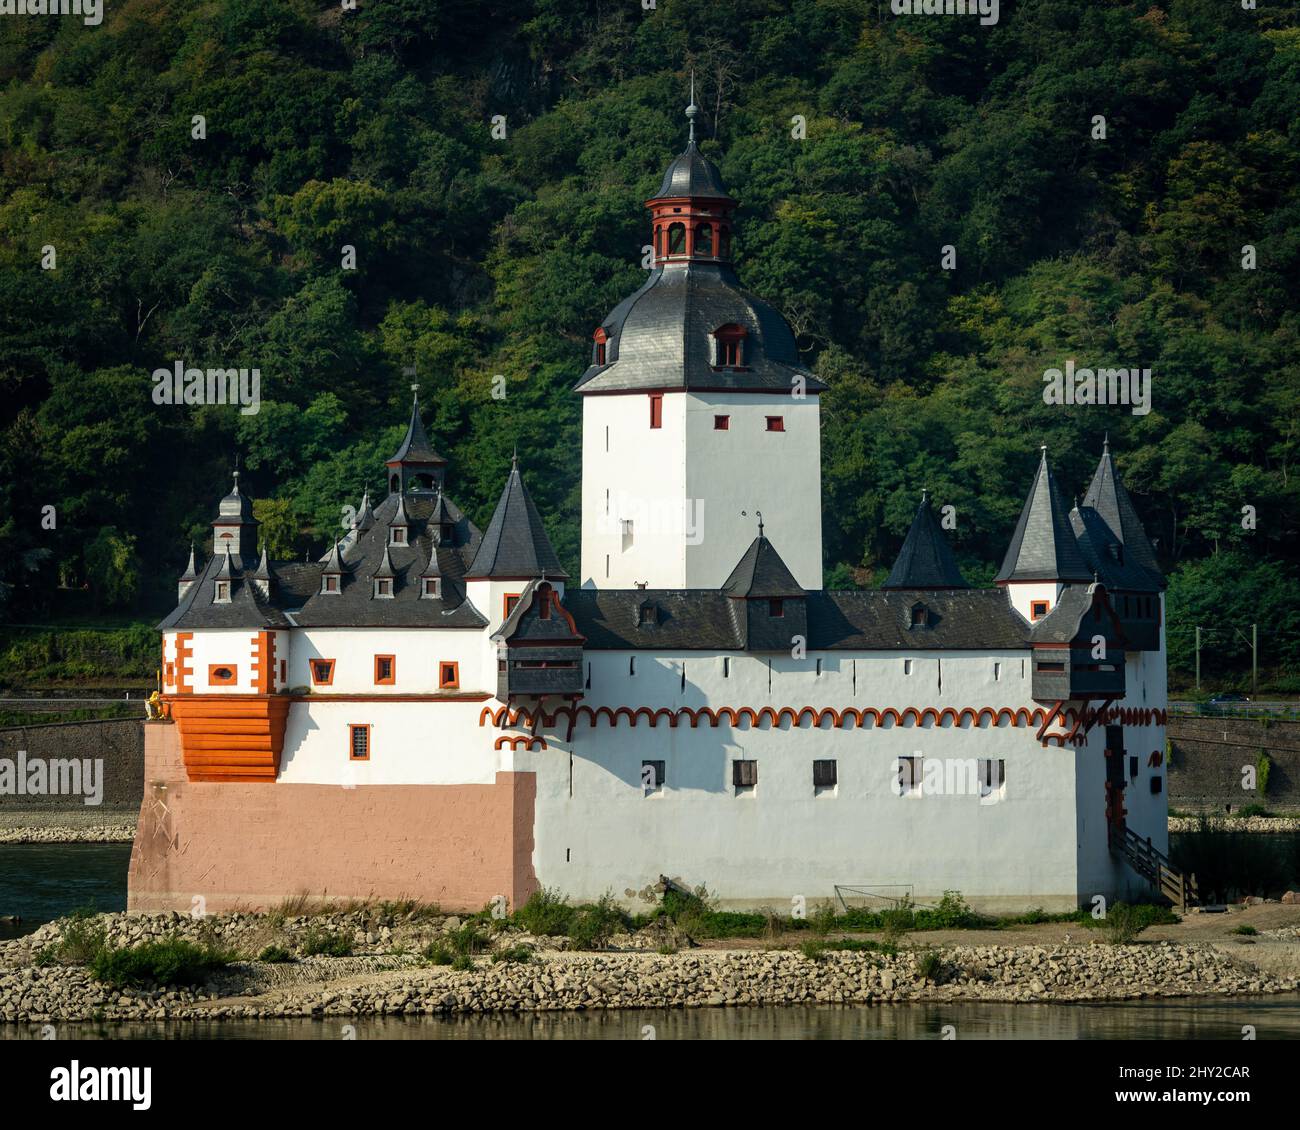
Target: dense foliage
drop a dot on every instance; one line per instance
(478, 256)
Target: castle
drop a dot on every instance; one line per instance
(436, 712)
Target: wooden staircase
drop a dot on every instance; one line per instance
(1154, 867)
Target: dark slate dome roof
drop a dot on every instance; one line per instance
(659, 337)
(693, 174)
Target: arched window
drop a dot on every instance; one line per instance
(599, 338)
(676, 239)
(659, 241)
(393, 482)
(729, 346)
(724, 242)
(704, 240)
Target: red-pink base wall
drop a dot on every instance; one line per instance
(250, 846)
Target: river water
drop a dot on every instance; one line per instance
(42, 881)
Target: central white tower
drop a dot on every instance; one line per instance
(696, 412)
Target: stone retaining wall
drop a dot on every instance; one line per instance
(1207, 756)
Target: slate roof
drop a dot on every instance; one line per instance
(1043, 546)
(236, 506)
(515, 544)
(659, 337)
(1109, 558)
(925, 561)
(702, 619)
(761, 573)
(1061, 625)
(416, 447)
(371, 555)
(692, 174)
(246, 609)
(1115, 508)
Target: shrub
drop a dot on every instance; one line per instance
(318, 941)
(520, 955)
(1262, 766)
(173, 961)
(275, 955)
(462, 963)
(594, 924)
(466, 939)
(930, 966)
(1123, 923)
(1249, 931)
(436, 953)
(898, 919)
(822, 921)
(84, 939)
(546, 913)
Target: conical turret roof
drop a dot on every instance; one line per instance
(416, 447)
(515, 544)
(1043, 547)
(925, 561)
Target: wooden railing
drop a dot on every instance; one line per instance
(1149, 862)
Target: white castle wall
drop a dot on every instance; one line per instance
(684, 485)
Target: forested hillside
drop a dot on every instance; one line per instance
(479, 255)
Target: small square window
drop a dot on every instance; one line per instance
(384, 587)
(448, 676)
(223, 592)
(330, 583)
(909, 776)
(322, 672)
(721, 423)
(431, 587)
(776, 607)
(508, 603)
(397, 535)
(776, 423)
(825, 774)
(1038, 609)
(653, 776)
(359, 743)
(744, 776)
(385, 670)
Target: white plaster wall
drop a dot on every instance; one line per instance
(749, 468)
(1022, 594)
(596, 830)
(418, 652)
(231, 648)
(643, 469)
(684, 485)
(436, 743)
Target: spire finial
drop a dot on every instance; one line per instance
(692, 111)
(1105, 445)
(925, 495)
(514, 459)
(759, 515)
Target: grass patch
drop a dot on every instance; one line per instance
(173, 961)
(513, 955)
(1123, 923)
(437, 953)
(462, 963)
(275, 955)
(326, 942)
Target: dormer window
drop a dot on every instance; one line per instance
(920, 616)
(1038, 609)
(600, 338)
(776, 607)
(396, 535)
(646, 614)
(329, 583)
(431, 588)
(223, 593)
(384, 588)
(729, 346)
